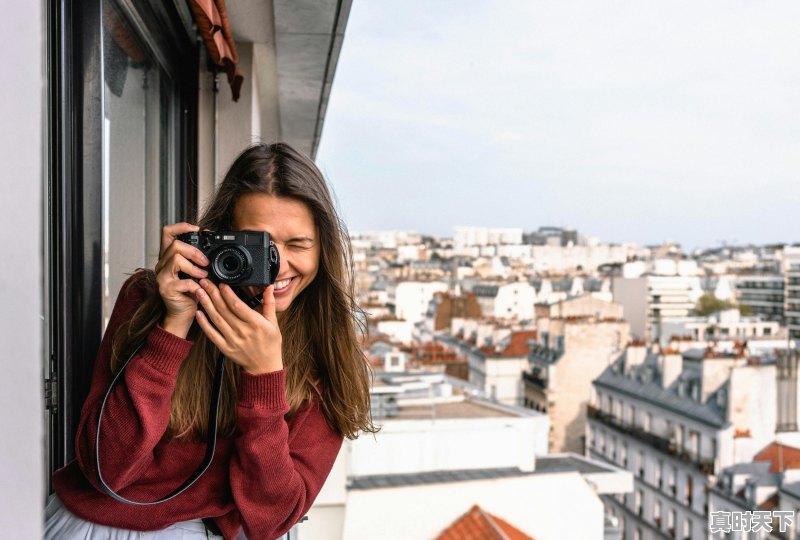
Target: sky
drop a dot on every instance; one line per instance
(635, 120)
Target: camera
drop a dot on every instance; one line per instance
(237, 258)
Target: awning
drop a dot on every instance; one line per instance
(212, 22)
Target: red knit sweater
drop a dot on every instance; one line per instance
(264, 478)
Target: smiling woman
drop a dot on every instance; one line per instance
(294, 362)
(291, 227)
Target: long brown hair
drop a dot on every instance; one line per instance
(319, 329)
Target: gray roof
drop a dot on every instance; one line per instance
(555, 463)
(792, 489)
(379, 481)
(652, 392)
(485, 290)
(568, 463)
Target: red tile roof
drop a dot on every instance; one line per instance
(518, 344)
(782, 457)
(480, 525)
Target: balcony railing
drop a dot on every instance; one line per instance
(536, 380)
(659, 443)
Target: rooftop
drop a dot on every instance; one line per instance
(547, 464)
(478, 524)
(643, 382)
(461, 409)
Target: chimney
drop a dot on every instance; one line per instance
(635, 354)
(671, 366)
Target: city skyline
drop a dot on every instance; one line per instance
(639, 123)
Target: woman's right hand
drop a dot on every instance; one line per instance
(179, 294)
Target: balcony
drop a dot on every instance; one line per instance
(540, 354)
(659, 443)
(535, 380)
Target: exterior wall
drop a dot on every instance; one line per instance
(22, 473)
(420, 512)
(503, 379)
(412, 298)
(589, 349)
(752, 408)
(514, 300)
(632, 294)
(411, 446)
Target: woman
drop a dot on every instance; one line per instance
(296, 381)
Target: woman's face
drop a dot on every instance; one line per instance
(291, 226)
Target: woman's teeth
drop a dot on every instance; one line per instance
(282, 284)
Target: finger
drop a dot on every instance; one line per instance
(209, 330)
(215, 307)
(169, 232)
(235, 304)
(179, 263)
(189, 252)
(188, 286)
(268, 304)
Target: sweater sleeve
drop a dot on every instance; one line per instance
(137, 411)
(279, 467)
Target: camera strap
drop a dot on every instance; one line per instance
(210, 444)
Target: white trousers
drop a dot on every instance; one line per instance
(60, 524)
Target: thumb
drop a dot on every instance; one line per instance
(268, 304)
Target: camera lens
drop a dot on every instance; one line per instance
(230, 264)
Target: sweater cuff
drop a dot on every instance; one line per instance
(267, 391)
(166, 350)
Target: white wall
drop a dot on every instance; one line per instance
(411, 446)
(546, 507)
(21, 142)
(412, 298)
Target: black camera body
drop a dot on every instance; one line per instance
(237, 258)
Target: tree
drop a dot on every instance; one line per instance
(708, 304)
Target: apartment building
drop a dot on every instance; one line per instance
(764, 493)
(510, 300)
(676, 420)
(577, 340)
(792, 307)
(762, 294)
(726, 324)
(497, 369)
(650, 299)
(411, 298)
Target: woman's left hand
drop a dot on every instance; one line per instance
(248, 337)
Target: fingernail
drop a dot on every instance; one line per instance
(204, 283)
(200, 293)
(204, 259)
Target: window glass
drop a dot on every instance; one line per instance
(138, 135)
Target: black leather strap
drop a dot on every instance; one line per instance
(210, 445)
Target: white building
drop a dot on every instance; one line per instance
(650, 299)
(439, 453)
(724, 324)
(498, 370)
(411, 298)
(512, 300)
